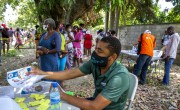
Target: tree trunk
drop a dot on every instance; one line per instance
(63, 12)
(106, 16)
(39, 16)
(112, 18)
(123, 15)
(117, 16)
(67, 17)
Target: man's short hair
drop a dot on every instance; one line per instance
(57, 24)
(36, 26)
(114, 44)
(81, 25)
(17, 29)
(171, 28)
(67, 26)
(113, 32)
(99, 31)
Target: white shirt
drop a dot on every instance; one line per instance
(69, 45)
(172, 46)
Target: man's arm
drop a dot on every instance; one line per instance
(98, 104)
(163, 48)
(154, 43)
(63, 75)
(71, 39)
(174, 45)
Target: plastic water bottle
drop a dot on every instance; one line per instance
(55, 97)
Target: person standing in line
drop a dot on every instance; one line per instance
(5, 39)
(147, 42)
(83, 32)
(69, 39)
(113, 33)
(11, 32)
(88, 43)
(63, 52)
(77, 46)
(37, 38)
(18, 39)
(170, 53)
(49, 46)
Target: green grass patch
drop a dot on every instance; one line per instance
(11, 53)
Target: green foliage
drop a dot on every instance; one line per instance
(11, 53)
(118, 3)
(175, 2)
(27, 14)
(173, 17)
(132, 11)
(98, 27)
(100, 4)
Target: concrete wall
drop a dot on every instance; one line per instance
(129, 34)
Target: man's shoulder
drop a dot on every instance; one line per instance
(121, 68)
(120, 71)
(176, 35)
(153, 36)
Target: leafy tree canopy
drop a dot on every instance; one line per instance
(90, 12)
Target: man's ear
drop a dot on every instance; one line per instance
(114, 56)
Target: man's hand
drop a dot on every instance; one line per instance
(40, 52)
(37, 71)
(98, 103)
(62, 92)
(45, 50)
(167, 58)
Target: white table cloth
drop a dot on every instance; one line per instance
(46, 85)
(132, 53)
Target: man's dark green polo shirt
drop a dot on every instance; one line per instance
(113, 85)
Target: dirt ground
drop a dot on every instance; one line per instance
(151, 96)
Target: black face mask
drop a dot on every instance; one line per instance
(98, 60)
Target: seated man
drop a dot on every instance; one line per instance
(111, 79)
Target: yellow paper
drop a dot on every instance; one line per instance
(37, 96)
(34, 95)
(19, 99)
(40, 97)
(43, 107)
(22, 105)
(34, 103)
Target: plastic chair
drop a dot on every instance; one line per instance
(132, 89)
